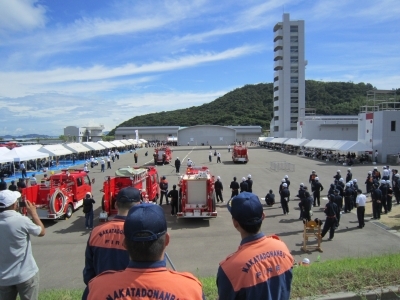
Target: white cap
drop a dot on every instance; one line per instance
(341, 179)
(349, 169)
(354, 180)
(375, 168)
(283, 180)
(313, 171)
(8, 198)
(338, 171)
(249, 176)
(369, 172)
(286, 176)
(316, 178)
(348, 184)
(177, 157)
(384, 167)
(218, 177)
(243, 179)
(284, 185)
(301, 184)
(306, 261)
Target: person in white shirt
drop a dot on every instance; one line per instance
(33, 180)
(385, 173)
(360, 203)
(376, 156)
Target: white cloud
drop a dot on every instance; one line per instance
(21, 15)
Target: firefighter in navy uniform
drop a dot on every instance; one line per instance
(376, 196)
(306, 206)
(389, 196)
(218, 190)
(163, 190)
(105, 250)
(243, 185)
(332, 212)
(349, 175)
(234, 186)
(312, 177)
(146, 276)
(249, 184)
(285, 194)
(348, 198)
(317, 189)
(270, 198)
(301, 195)
(384, 189)
(338, 200)
(337, 176)
(369, 182)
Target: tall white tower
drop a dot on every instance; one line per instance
(289, 77)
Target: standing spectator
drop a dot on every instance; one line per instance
(164, 190)
(117, 154)
(113, 156)
(218, 189)
(88, 210)
(19, 272)
(135, 156)
(73, 159)
(100, 254)
(85, 169)
(376, 196)
(108, 163)
(360, 203)
(229, 148)
(102, 164)
(376, 156)
(249, 184)
(312, 177)
(174, 195)
(218, 157)
(145, 237)
(23, 169)
(236, 277)
(210, 156)
(177, 165)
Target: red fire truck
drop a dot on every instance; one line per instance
(144, 179)
(60, 195)
(162, 155)
(239, 154)
(198, 196)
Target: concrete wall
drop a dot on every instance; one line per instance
(328, 130)
(212, 134)
(150, 133)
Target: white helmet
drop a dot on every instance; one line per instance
(286, 176)
(355, 180)
(384, 167)
(338, 171)
(341, 179)
(313, 171)
(283, 180)
(301, 184)
(369, 172)
(349, 169)
(316, 178)
(397, 175)
(348, 184)
(249, 176)
(243, 179)
(383, 181)
(284, 185)
(218, 177)
(375, 168)
(388, 182)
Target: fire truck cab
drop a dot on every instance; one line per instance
(60, 195)
(162, 155)
(197, 194)
(144, 179)
(239, 154)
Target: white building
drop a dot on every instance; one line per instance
(84, 134)
(289, 77)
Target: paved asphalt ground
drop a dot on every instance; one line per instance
(198, 245)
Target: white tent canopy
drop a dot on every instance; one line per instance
(355, 147)
(4, 150)
(134, 142)
(268, 139)
(315, 143)
(76, 147)
(106, 145)
(278, 140)
(35, 147)
(55, 150)
(143, 141)
(338, 145)
(21, 154)
(126, 142)
(117, 143)
(94, 146)
(296, 142)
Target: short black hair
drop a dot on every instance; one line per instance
(145, 250)
(126, 205)
(251, 229)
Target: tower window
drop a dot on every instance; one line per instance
(294, 28)
(393, 126)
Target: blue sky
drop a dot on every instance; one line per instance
(97, 62)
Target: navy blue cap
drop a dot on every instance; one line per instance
(128, 194)
(246, 208)
(145, 222)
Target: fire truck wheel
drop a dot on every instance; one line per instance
(69, 212)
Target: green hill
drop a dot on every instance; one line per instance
(252, 105)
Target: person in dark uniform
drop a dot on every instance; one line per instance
(348, 198)
(331, 211)
(337, 176)
(21, 184)
(163, 190)
(3, 184)
(287, 181)
(270, 198)
(12, 186)
(312, 177)
(174, 195)
(384, 189)
(301, 194)
(243, 185)
(249, 184)
(376, 174)
(376, 196)
(88, 210)
(369, 182)
(338, 200)
(177, 165)
(218, 189)
(306, 206)
(285, 199)
(317, 189)
(234, 187)
(389, 196)
(355, 184)
(349, 175)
